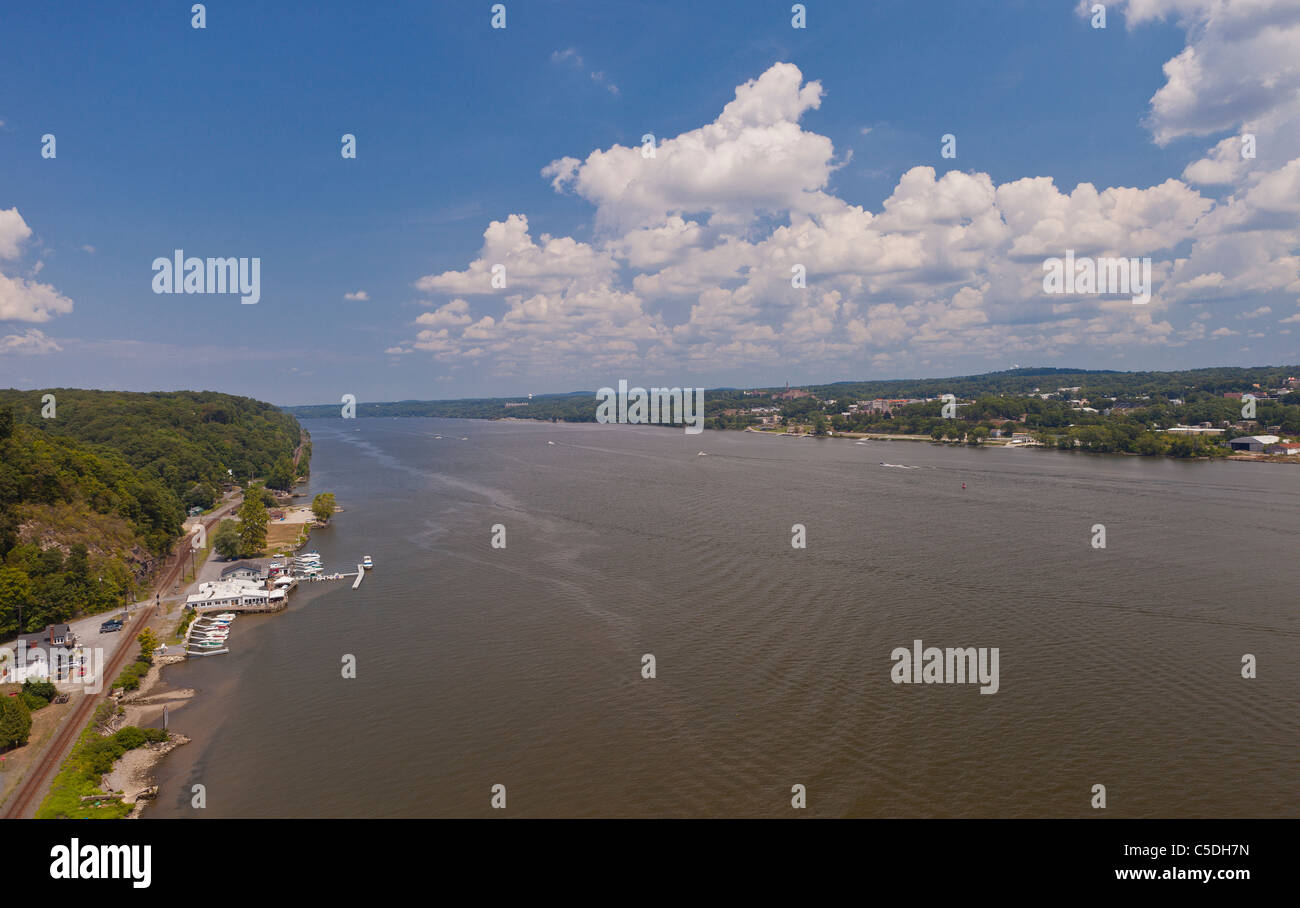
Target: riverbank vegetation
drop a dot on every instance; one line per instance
(322, 506)
(94, 486)
(134, 673)
(72, 792)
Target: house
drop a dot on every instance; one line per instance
(242, 570)
(53, 635)
(1285, 447)
(1253, 442)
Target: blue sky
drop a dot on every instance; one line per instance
(225, 141)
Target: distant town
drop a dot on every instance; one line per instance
(1243, 413)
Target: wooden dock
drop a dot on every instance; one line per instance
(361, 575)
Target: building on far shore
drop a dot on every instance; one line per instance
(1193, 430)
(791, 394)
(1290, 448)
(1253, 442)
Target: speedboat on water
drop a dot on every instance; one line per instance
(367, 563)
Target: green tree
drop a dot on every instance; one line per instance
(252, 523)
(201, 494)
(323, 506)
(15, 593)
(281, 476)
(227, 541)
(15, 722)
(148, 644)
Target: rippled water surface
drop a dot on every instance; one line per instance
(522, 666)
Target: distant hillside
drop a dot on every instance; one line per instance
(90, 498)
(580, 406)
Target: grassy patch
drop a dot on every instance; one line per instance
(187, 618)
(93, 755)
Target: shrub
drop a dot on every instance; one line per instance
(129, 738)
(45, 690)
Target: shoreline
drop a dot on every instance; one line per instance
(133, 773)
(142, 705)
(881, 436)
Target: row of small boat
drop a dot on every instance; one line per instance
(211, 632)
(311, 561)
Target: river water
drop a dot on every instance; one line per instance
(522, 666)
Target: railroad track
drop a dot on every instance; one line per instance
(22, 803)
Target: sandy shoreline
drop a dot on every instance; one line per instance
(132, 774)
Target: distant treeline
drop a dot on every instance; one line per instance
(93, 493)
(1161, 387)
(1101, 383)
(577, 406)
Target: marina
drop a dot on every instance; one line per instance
(248, 588)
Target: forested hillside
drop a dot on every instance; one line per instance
(93, 495)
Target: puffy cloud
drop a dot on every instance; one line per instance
(359, 296)
(13, 233)
(28, 301)
(550, 264)
(24, 300)
(753, 158)
(454, 313)
(694, 251)
(1239, 67)
(31, 342)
